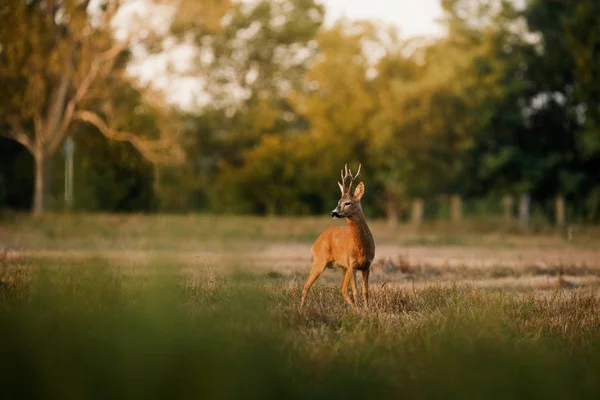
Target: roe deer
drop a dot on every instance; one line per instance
(348, 247)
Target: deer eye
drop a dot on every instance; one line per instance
(347, 203)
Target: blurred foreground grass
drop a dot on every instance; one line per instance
(87, 329)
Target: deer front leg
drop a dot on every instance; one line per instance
(344, 286)
(365, 286)
(317, 270)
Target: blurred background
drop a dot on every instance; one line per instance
(455, 108)
(184, 155)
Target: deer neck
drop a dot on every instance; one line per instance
(359, 230)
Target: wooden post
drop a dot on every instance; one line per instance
(560, 211)
(69, 148)
(508, 203)
(524, 206)
(417, 211)
(391, 209)
(456, 213)
(391, 214)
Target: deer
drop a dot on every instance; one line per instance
(350, 247)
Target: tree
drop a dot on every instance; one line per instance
(58, 61)
(337, 98)
(563, 111)
(434, 101)
(248, 66)
(393, 146)
(582, 32)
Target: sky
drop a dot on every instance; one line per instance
(413, 19)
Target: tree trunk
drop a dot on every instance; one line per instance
(39, 189)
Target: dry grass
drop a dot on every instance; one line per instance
(99, 332)
(142, 307)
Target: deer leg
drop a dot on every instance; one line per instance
(344, 276)
(317, 269)
(353, 283)
(365, 286)
(344, 286)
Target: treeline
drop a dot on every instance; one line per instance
(507, 103)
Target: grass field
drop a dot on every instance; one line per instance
(109, 306)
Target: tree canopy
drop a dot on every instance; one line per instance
(505, 102)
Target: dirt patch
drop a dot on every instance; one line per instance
(413, 266)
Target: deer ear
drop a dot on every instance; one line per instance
(359, 191)
(341, 187)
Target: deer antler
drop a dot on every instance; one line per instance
(345, 173)
(353, 177)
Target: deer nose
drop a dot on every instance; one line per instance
(335, 214)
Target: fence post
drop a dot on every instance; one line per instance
(417, 211)
(456, 211)
(391, 209)
(524, 211)
(507, 203)
(560, 211)
(391, 213)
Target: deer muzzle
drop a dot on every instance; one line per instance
(335, 214)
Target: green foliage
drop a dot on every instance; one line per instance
(506, 102)
(113, 175)
(110, 176)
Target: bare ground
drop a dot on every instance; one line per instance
(522, 269)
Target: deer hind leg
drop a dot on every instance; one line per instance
(365, 286)
(317, 269)
(344, 286)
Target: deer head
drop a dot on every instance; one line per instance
(349, 203)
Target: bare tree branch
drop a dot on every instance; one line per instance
(37, 123)
(84, 5)
(155, 151)
(108, 58)
(58, 98)
(111, 9)
(18, 133)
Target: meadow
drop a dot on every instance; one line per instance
(156, 306)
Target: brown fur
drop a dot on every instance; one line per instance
(349, 247)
